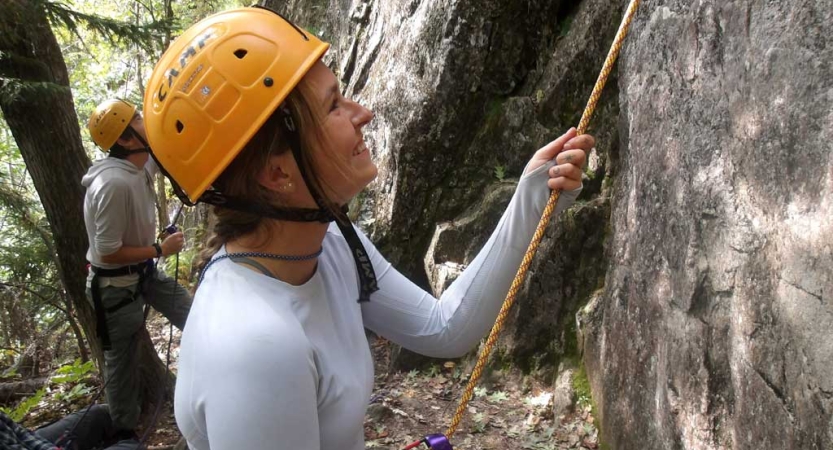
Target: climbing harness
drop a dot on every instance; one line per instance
(143, 269)
(440, 441)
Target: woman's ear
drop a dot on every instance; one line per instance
(274, 176)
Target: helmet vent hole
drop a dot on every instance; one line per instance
(240, 53)
(179, 126)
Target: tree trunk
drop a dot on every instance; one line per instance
(43, 121)
(12, 392)
(76, 331)
(45, 127)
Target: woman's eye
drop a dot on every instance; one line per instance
(334, 106)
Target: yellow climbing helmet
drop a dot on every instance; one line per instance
(109, 120)
(216, 85)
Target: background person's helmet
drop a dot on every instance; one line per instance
(216, 85)
(108, 122)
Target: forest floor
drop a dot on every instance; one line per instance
(508, 411)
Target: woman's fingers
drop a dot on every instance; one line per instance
(584, 142)
(567, 149)
(566, 175)
(563, 184)
(574, 157)
(566, 170)
(549, 151)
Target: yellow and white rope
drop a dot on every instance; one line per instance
(542, 226)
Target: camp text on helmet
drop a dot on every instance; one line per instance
(196, 46)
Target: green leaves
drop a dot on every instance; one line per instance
(19, 412)
(500, 172)
(71, 373)
(78, 391)
(116, 31)
(15, 89)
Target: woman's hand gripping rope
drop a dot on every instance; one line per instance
(569, 152)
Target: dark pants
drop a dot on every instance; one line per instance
(93, 431)
(121, 361)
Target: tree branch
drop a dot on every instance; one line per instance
(113, 30)
(45, 299)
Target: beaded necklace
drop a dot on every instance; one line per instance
(259, 255)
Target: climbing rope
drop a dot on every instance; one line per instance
(542, 226)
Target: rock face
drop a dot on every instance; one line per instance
(699, 253)
(715, 324)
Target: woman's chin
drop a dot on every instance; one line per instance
(365, 175)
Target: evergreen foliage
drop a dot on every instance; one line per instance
(146, 36)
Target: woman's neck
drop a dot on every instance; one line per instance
(286, 239)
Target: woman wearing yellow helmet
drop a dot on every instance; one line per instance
(242, 114)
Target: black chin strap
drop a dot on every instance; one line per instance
(124, 153)
(367, 276)
(138, 150)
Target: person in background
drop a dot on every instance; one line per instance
(120, 217)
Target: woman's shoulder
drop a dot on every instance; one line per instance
(242, 302)
(239, 323)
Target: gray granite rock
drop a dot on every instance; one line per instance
(716, 312)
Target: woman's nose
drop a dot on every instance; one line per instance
(361, 115)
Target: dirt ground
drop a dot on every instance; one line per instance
(511, 412)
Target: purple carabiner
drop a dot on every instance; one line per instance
(171, 228)
(438, 442)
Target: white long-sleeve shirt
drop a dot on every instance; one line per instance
(267, 365)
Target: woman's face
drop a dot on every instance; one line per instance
(345, 168)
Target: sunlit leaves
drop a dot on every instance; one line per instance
(145, 35)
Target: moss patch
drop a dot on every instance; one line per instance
(494, 111)
(581, 386)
